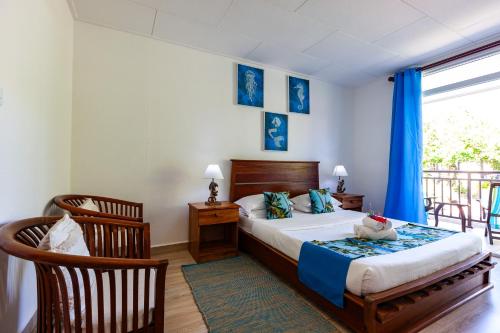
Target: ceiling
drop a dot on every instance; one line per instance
(348, 42)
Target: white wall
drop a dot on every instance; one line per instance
(148, 117)
(370, 125)
(35, 126)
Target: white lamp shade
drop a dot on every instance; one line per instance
(340, 171)
(213, 171)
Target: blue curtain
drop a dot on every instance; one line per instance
(404, 200)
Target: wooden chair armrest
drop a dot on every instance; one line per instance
(89, 262)
(121, 209)
(86, 212)
(60, 199)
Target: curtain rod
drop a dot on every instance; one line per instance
(455, 57)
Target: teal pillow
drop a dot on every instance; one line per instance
(321, 201)
(277, 205)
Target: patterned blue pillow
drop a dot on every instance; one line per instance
(321, 201)
(277, 205)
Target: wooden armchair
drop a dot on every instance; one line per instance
(108, 207)
(127, 293)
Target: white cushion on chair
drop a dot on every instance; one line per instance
(89, 204)
(66, 237)
(130, 293)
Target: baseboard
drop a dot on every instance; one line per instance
(168, 248)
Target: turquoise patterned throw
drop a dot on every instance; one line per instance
(409, 236)
(323, 265)
(278, 206)
(321, 201)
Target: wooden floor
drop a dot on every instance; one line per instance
(482, 315)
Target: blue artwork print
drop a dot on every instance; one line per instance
(275, 131)
(250, 86)
(298, 95)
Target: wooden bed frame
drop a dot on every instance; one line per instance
(406, 308)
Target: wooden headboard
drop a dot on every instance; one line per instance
(252, 177)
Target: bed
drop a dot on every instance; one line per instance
(382, 293)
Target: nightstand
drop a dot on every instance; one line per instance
(213, 231)
(350, 201)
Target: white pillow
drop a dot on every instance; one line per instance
(303, 203)
(88, 204)
(258, 214)
(250, 203)
(66, 237)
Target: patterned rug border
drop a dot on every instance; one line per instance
(258, 263)
(191, 287)
(192, 294)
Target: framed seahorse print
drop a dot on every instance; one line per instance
(298, 95)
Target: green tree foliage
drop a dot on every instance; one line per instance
(458, 138)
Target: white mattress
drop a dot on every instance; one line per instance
(365, 275)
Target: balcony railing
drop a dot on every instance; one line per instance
(467, 187)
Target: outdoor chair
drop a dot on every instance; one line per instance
(493, 218)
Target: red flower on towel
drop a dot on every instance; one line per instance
(378, 218)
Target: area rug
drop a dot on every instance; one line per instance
(240, 295)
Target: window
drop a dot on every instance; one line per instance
(461, 125)
(461, 116)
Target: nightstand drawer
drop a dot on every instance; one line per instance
(218, 216)
(352, 203)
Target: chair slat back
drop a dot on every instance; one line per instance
(108, 207)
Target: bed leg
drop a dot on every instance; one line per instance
(369, 315)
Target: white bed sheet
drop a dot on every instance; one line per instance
(365, 275)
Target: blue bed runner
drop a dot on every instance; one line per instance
(323, 265)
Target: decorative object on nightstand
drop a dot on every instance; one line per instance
(213, 231)
(340, 171)
(213, 172)
(350, 201)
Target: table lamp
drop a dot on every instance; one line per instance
(213, 172)
(340, 171)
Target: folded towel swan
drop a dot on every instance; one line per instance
(377, 223)
(375, 227)
(362, 231)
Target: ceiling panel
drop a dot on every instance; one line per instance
(204, 11)
(347, 77)
(458, 14)
(342, 48)
(261, 20)
(290, 5)
(389, 67)
(369, 20)
(484, 29)
(423, 38)
(174, 29)
(281, 57)
(120, 14)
